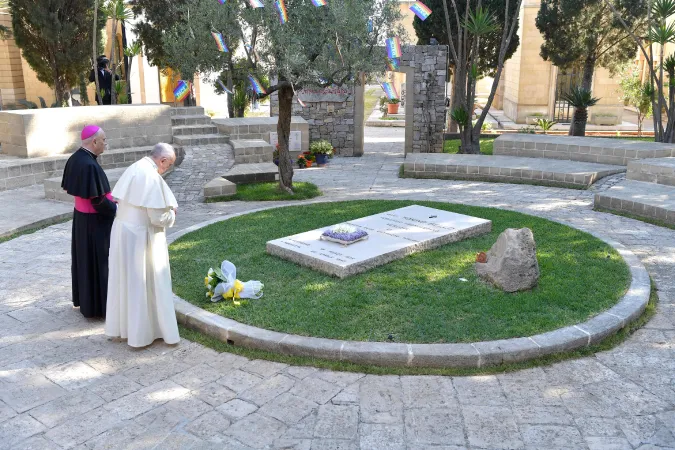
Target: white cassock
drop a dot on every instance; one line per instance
(140, 300)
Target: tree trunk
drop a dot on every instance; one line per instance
(113, 96)
(95, 32)
(586, 83)
(458, 95)
(230, 86)
(127, 61)
(579, 121)
(283, 133)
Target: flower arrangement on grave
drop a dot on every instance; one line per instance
(222, 284)
(344, 234)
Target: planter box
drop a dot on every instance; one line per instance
(605, 120)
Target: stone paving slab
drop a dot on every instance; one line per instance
(585, 149)
(621, 398)
(507, 169)
(27, 208)
(650, 200)
(653, 170)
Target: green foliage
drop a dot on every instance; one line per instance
(189, 47)
(575, 31)
(580, 98)
(434, 26)
(545, 124)
(481, 22)
(638, 94)
(321, 147)
(55, 38)
(393, 101)
(156, 17)
(461, 116)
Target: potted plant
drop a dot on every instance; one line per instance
(392, 105)
(321, 150)
(275, 156)
(302, 162)
(383, 106)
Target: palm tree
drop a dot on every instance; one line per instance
(581, 99)
(93, 59)
(118, 11)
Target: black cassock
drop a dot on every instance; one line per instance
(83, 177)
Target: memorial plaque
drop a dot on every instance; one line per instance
(294, 140)
(392, 235)
(329, 94)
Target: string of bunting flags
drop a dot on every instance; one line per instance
(393, 46)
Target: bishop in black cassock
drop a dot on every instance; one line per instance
(84, 179)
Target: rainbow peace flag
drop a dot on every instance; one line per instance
(181, 91)
(421, 10)
(256, 4)
(281, 9)
(222, 2)
(370, 25)
(393, 65)
(390, 90)
(318, 3)
(257, 87)
(394, 48)
(220, 42)
(301, 102)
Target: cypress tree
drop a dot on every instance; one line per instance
(55, 39)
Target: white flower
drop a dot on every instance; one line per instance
(343, 228)
(209, 279)
(211, 272)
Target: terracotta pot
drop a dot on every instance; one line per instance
(392, 108)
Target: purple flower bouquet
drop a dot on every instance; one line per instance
(344, 234)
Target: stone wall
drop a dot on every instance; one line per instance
(332, 121)
(33, 133)
(341, 122)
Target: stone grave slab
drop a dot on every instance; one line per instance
(392, 235)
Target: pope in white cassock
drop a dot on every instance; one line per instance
(140, 301)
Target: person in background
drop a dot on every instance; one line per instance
(105, 80)
(93, 217)
(140, 298)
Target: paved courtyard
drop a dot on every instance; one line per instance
(63, 384)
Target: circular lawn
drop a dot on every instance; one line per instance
(419, 299)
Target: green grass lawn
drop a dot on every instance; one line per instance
(452, 146)
(417, 299)
(256, 192)
(370, 99)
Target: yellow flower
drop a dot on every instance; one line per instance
(206, 281)
(235, 291)
(209, 294)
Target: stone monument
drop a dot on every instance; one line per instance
(391, 235)
(512, 261)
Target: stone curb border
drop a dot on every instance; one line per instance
(473, 355)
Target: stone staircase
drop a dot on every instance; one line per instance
(192, 127)
(647, 192)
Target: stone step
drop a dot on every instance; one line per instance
(186, 130)
(16, 173)
(638, 198)
(190, 120)
(201, 139)
(507, 169)
(653, 170)
(585, 149)
(249, 151)
(219, 187)
(252, 173)
(187, 111)
(53, 191)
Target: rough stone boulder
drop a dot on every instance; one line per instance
(512, 262)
